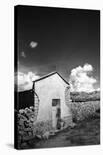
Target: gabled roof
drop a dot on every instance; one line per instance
(50, 74)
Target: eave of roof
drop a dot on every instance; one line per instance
(50, 74)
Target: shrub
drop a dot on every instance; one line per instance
(41, 127)
(83, 110)
(26, 126)
(25, 120)
(84, 96)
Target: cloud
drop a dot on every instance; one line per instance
(81, 79)
(98, 89)
(23, 54)
(24, 81)
(33, 44)
(88, 67)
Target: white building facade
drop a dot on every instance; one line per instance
(50, 100)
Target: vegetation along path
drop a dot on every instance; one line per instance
(84, 133)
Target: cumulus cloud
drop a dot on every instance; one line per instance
(23, 54)
(98, 89)
(33, 44)
(81, 79)
(87, 68)
(24, 81)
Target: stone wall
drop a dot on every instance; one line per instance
(68, 102)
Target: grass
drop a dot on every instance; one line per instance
(86, 132)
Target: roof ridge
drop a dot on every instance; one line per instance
(50, 74)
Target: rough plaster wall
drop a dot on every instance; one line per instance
(47, 89)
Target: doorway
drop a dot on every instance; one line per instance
(56, 114)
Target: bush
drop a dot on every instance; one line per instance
(26, 127)
(83, 110)
(25, 120)
(84, 96)
(41, 127)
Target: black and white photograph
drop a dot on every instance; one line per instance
(57, 77)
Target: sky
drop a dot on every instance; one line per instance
(62, 40)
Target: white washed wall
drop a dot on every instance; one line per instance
(52, 87)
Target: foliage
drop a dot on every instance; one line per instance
(41, 127)
(25, 119)
(83, 110)
(84, 96)
(27, 128)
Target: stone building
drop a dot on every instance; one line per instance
(52, 99)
